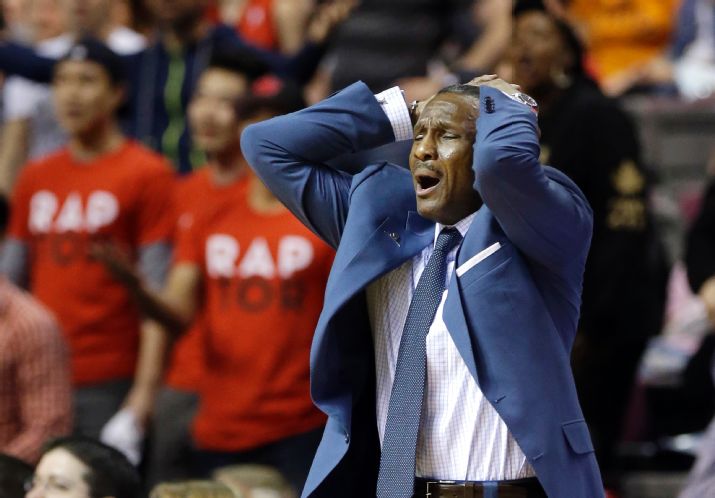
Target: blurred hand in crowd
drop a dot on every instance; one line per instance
(657, 71)
(126, 429)
(125, 432)
(116, 261)
(420, 87)
(707, 294)
(327, 17)
(557, 8)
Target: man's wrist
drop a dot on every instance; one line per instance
(392, 102)
(412, 109)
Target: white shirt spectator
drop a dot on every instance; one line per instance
(25, 99)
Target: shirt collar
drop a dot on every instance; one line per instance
(462, 226)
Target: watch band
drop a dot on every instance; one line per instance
(412, 109)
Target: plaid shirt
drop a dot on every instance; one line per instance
(35, 392)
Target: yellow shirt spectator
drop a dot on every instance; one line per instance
(623, 36)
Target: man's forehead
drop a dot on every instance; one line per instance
(76, 65)
(449, 106)
(223, 74)
(223, 81)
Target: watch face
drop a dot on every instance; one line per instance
(525, 99)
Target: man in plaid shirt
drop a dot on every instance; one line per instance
(35, 396)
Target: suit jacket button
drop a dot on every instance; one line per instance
(394, 236)
(489, 105)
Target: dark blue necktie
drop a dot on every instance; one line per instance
(397, 463)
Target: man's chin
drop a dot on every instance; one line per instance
(210, 147)
(430, 210)
(437, 212)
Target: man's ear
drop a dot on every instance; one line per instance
(567, 61)
(120, 96)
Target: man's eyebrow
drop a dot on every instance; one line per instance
(436, 122)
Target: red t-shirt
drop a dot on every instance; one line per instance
(264, 279)
(192, 194)
(59, 207)
(256, 25)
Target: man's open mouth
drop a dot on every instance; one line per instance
(425, 181)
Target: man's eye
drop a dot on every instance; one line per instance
(418, 137)
(450, 136)
(58, 485)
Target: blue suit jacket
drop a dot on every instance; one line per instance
(512, 316)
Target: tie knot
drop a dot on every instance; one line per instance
(447, 240)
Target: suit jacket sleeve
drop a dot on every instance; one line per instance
(299, 67)
(23, 61)
(545, 216)
(289, 154)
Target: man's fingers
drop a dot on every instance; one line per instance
(99, 250)
(482, 79)
(110, 255)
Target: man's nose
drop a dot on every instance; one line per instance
(35, 492)
(426, 149)
(517, 48)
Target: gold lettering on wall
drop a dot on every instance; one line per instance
(627, 180)
(626, 214)
(627, 209)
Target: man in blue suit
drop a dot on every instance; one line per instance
(442, 353)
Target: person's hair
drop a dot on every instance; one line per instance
(469, 91)
(193, 489)
(572, 42)
(461, 89)
(14, 474)
(4, 214)
(237, 61)
(280, 98)
(91, 49)
(110, 473)
(244, 478)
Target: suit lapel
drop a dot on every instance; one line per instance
(381, 232)
(395, 240)
(454, 318)
(453, 314)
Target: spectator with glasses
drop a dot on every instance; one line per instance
(81, 467)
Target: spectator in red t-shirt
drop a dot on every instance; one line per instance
(271, 24)
(259, 277)
(100, 187)
(170, 450)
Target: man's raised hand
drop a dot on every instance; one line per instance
(495, 81)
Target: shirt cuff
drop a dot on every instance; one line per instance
(394, 106)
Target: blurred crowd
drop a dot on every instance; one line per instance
(157, 303)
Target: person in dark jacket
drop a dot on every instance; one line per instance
(590, 138)
(700, 262)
